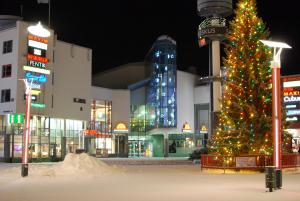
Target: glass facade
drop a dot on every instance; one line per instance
(50, 138)
(153, 105)
(101, 121)
(161, 96)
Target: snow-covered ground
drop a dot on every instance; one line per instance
(84, 178)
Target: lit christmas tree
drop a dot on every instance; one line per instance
(245, 121)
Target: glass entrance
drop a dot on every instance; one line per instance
(136, 148)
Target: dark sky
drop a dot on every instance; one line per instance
(122, 31)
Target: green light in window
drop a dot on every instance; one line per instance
(16, 118)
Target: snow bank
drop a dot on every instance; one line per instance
(76, 165)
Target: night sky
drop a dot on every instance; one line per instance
(123, 31)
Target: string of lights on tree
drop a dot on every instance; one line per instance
(245, 121)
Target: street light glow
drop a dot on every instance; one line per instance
(38, 30)
(275, 44)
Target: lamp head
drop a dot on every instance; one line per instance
(275, 44)
(277, 47)
(38, 30)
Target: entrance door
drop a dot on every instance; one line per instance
(120, 146)
(158, 145)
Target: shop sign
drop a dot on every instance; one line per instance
(121, 128)
(38, 105)
(37, 58)
(292, 112)
(16, 118)
(36, 64)
(291, 99)
(186, 128)
(38, 39)
(291, 119)
(36, 77)
(37, 52)
(36, 70)
(36, 44)
(245, 162)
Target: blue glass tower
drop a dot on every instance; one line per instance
(161, 92)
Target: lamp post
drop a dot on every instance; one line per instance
(276, 102)
(39, 31)
(24, 168)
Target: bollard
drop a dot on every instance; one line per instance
(270, 178)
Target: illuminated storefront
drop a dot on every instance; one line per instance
(99, 142)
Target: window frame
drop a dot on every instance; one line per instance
(4, 93)
(4, 71)
(7, 46)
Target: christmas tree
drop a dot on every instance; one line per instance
(245, 121)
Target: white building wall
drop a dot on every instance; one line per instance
(202, 94)
(120, 103)
(120, 107)
(185, 99)
(72, 79)
(9, 58)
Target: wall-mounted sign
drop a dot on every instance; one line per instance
(121, 128)
(38, 105)
(38, 39)
(36, 77)
(79, 100)
(37, 58)
(36, 44)
(186, 128)
(36, 51)
(33, 98)
(36, 64)
(203, 129)
(291, 99)
(35, 92)
(37, 70)
(16, 118)
(291, 84)
(292, 119)
(35, 86)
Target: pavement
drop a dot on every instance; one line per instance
(148, 161)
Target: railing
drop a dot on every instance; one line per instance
(290, 160)
(247, 161)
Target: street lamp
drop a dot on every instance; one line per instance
(276, 101)
(40, 31)
(24, 168)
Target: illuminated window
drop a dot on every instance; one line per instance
(101, 116)
(6, 70)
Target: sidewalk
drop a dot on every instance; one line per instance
(148, 161)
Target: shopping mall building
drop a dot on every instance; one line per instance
(144, 109)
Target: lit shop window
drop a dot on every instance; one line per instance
(101, 115)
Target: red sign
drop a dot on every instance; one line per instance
(37, 58)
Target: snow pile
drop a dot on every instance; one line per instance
(79, 165)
